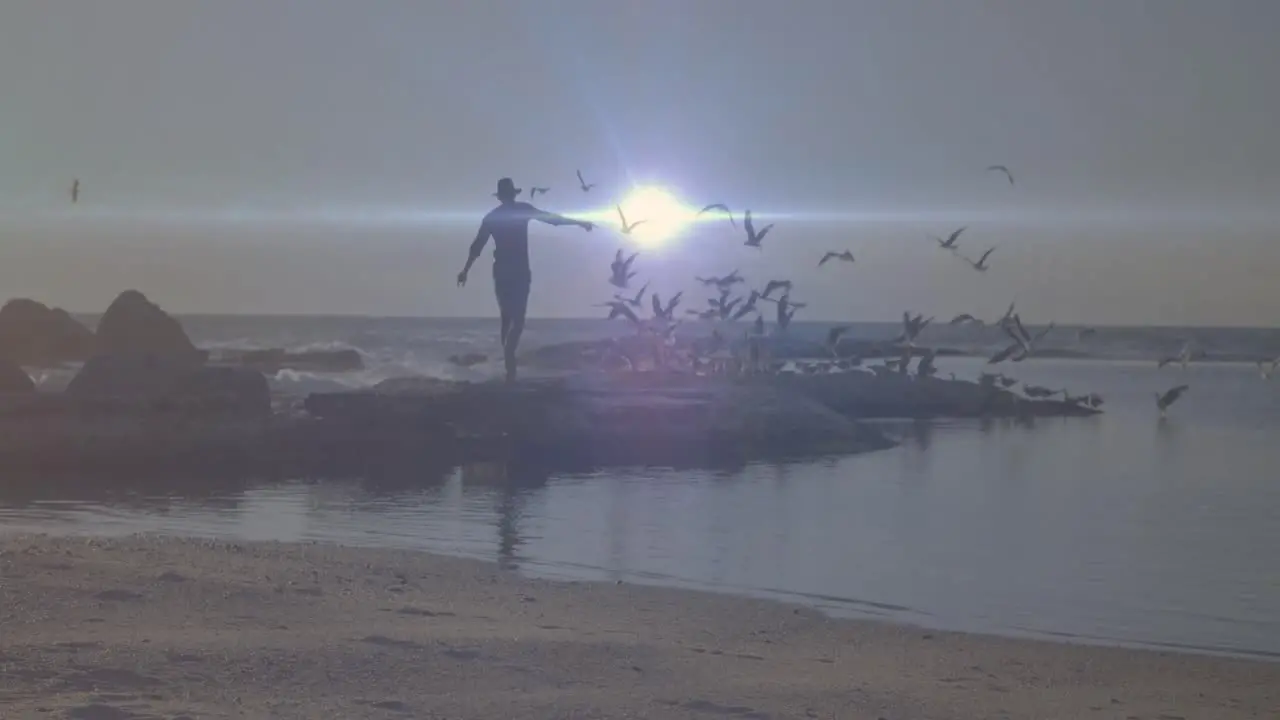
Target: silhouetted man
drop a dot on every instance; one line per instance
(509, 225)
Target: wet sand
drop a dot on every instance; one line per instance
(150, 627)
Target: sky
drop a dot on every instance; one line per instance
(333, 157)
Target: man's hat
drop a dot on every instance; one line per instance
(507, 187)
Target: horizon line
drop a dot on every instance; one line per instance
(569, 318)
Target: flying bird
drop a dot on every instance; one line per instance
(665, 312)
(1169, 397)
(1003, 169)
(536, 191)
(1265, 368)
(846, 256)
(912, 326)
(981, 265)
(754, 238)
(75, 190)
(950, 242)
(621, 269)
(783, 285)
(747, 307)
(833, 339)
(1182, 358)
(721, 282)
(635, 301)
(926, 368)
(617, 308)
(721, 207)
(586, 187)
(626, 229)
(1023, 339)
(961, 319)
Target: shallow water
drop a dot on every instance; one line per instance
(1121, 528)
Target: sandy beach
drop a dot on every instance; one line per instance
(150, 627)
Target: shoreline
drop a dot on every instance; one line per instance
(154, 626)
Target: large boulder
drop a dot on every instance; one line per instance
(34, 334)
(133, 324)
(14, 380)
(162, 381)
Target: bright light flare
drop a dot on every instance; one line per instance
(663, 214)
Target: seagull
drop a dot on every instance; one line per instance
(1182, 358)
(950, 242)
(75, 190)
(635, 301)
(961, 319)
(626, 229)
(926, 368)
(1265, 368)
(721, 207)
(1004, 354)
(1038, 391)
(620, 309)
(784, 317)
(721, 282)
(1169, 397)
(846, 256)
(754, 238)
(1003, 169)
(783, 285)
(586, 187)
(1008, 315)
(747, 307)
(622, 272)
(912, 327)
(666, 312)
(708, 314)
(833, 339)
(1025, 340)
(536, 191)
(981, 265)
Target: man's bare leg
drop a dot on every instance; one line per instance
(511, 345)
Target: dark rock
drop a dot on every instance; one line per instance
(14, 380)
(36, 335)
(642, 418)
(134, 324)
(169, 382)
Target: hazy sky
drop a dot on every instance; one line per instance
(329, 156)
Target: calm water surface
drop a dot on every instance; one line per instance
(1120, 528)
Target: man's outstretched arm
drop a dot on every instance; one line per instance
(477, 246)
(551, 218)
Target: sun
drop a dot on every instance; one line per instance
(663, 214)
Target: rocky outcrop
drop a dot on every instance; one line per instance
(14, 380)
(595, 420)
(590, 355)
(173, 383)
(35, 335)
(133, 324)
(274, 360)
(862, 395)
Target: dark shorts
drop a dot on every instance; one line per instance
(512, 289)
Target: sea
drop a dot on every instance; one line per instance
(1125, 528)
